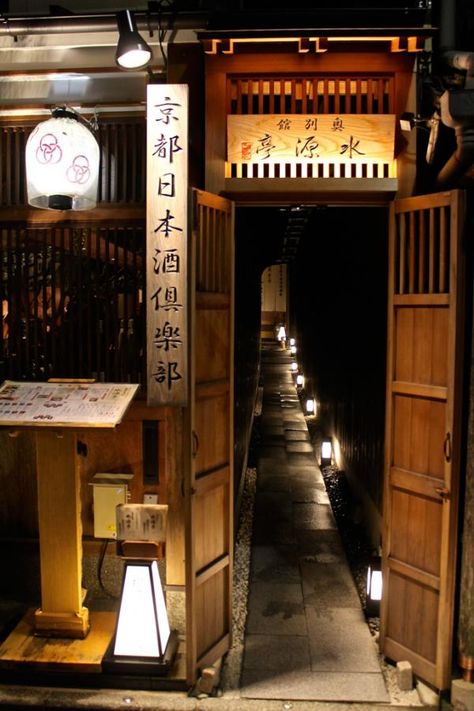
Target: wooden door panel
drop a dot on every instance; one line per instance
(209, 541)
(415, 633)
(212, 599)
(418, 435)
(422, 443)
(211, 425)
(212, 358)
(213, 541)
(421, 345)
(414, 513)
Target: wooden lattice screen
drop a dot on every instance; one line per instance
(71, 303)
(312, 94)
(122, 161)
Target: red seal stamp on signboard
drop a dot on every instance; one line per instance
(246, 150)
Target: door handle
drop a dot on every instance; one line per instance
(195, 448)
(443, 492)
(447, 447)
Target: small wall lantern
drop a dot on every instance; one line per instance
(374, 587)
(300, 381)
(294, 367)
(62, 164)
(326, 451)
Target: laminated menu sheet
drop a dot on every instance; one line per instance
(65, 404)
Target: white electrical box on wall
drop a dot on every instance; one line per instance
(109, 490)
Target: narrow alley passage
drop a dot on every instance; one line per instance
(306, 635)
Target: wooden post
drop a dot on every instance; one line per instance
(466, 609)
(62, 613)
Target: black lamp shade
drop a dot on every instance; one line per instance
(132, 50)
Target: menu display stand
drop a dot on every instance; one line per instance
(57, 412)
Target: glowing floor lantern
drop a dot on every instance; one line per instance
(293, 350)
(310, 406)
(374, 587)
(292, 342)
(143, 641)
(326, 451)
(62, 164)
(294, 367)
(300, 381)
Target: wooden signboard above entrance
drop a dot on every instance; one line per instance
(308, 137)
(167, 220)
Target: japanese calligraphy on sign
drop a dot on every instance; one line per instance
(167, 234)
(306, 137)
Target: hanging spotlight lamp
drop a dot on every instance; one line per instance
(132, 50)
(62, 163)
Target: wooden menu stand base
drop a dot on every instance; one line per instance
(62, 624)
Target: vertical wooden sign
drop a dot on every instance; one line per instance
(167, 227)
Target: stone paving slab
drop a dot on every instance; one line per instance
(277, 564)
(277, 652)
(327, 585)
(323, 686)
(310, 495)
(299, 447)
(266, 465)
(276, 452)
(340, 641)
(301, 458)
(276, 608)
(296, 435)
(273, 482)
(273, 505)
(313, 516)
(278, 532)
(317, 542)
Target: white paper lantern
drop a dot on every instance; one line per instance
(62, 164)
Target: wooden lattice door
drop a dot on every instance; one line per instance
(423, 432)
(209, 540)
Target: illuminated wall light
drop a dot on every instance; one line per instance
(300, 381)
(62, 164)
(294, 367)
(310, 406)
(292, 342)
(293, 350)
(374, 587)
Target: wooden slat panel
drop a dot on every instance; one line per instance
(414, 574)
(412, 481)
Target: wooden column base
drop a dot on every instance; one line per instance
(62, 624)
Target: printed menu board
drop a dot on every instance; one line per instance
(68, 404)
